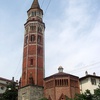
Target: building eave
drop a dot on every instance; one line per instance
(87, 76)
(4, 79)
(60, 75)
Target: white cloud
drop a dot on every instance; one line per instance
(71, 38)
(74, 41)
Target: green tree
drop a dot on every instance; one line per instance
(88, 95)
(80, 97)
(97, 93)
(84, 96)
(11, 92)
(67, 98)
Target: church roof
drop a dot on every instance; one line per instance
(35, 4)
(60, 74)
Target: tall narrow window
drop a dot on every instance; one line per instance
(32, 38)
(33, 13)
(39, 29)
(65, 82)
(32, 28)
(93, 81)
(31, 62)
(39, 39)
(37, 13)
(60, 82)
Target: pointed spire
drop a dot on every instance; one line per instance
(35, 4)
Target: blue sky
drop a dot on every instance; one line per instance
(72, 36)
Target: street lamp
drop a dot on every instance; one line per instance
(88, 96)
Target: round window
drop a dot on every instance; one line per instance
(2, 88)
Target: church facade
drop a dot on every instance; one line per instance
(33, 84)
(61, 85)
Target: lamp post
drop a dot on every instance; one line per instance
(88, 96)
(10, 90)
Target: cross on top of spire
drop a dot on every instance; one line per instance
(35, 4)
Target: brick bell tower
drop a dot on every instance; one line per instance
(33, 52)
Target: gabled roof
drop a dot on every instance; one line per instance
(87, 76)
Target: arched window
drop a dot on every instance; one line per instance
(39, 29)
(32, 38)
(32, 28)
(39, 39)
(37, 13)
(33, 13)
